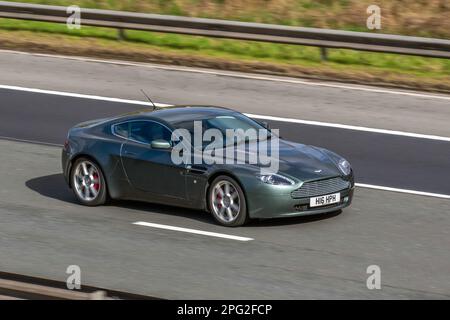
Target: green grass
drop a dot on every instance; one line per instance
(247, 50)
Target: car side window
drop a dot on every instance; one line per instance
(147, 131)
(121, 130)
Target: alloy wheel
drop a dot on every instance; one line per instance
(87, 181)
(226, 202)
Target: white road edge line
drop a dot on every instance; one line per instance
(419, 193)
(194, 231)
(234, 74)
(292, 120)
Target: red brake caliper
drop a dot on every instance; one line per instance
(218, 198)
(96, 185)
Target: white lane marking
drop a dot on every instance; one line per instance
(236, 75)
(31, 141)
(79, 95)
(361, 185)
(419, 193)
(341, 126)
(349, 127)
(204, 233)
(308, 122)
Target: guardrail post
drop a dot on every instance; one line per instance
(323, 54)
(121, 34)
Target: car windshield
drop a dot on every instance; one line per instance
(233, 121)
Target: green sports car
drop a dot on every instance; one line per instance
(137, 156)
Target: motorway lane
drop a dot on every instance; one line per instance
(43, 231)
(329, 102)
(378, 159)
(47, 118)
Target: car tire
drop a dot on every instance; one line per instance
(226, 202)
(88, 182)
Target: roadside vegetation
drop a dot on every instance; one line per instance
(428, 18)
(299, 61)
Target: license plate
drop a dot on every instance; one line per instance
(325, 200)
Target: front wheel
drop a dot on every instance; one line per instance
(227, 202)
(88, 183)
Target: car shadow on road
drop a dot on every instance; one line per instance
(53, 186)
(165, 209)
(275, 222)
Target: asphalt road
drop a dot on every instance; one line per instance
(286, 97)
(43, 230)
(378, 159)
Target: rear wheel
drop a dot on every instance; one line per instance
(227, 202)
(88, 182)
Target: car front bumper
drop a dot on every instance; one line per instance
(277, 205)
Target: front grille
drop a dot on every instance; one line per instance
(320, 187)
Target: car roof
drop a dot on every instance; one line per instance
(174, 114)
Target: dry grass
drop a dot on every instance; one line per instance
(419, 17)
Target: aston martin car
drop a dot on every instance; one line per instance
(131, 157)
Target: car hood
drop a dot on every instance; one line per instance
(300, 161)
(305, 162)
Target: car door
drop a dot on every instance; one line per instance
(149, 169)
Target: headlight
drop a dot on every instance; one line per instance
(344, 166)
(276, 179)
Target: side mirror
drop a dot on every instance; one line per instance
(161, 144)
